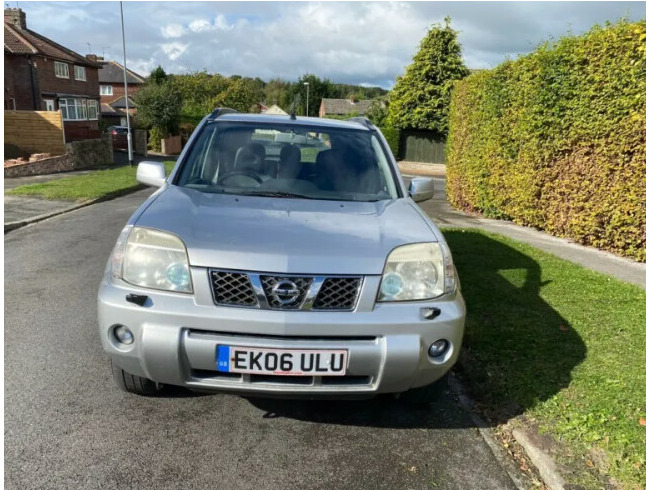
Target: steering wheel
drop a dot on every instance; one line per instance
(247, 173)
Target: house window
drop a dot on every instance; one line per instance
(92, 109)
(73, 109)
(106, 89)
(80, 73)
(61, 70)
(49, 104)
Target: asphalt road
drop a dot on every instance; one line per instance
(68, 426)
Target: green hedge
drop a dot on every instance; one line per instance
(556, 139)
(392, 136)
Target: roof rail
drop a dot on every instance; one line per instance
(363, 121)
(220, 111)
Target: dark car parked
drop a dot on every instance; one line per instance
(119, 136)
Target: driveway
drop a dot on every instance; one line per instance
(67, 425)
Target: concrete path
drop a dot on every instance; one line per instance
(443, 214)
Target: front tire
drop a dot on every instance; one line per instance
(134, 384)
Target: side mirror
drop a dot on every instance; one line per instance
(151, 174)
(421, 189)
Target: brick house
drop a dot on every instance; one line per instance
(111, 90)
(343, 107)
(41, 75)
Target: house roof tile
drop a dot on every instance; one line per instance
(26, 41)
(346, 106)
(113, 72)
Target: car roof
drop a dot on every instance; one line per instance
(298, 121)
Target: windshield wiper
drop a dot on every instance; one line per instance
(282, 194)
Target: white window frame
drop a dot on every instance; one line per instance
(68, 105)
(61, 69)
(80, 73)
(92, 106)
(49, 104)
(109, 90)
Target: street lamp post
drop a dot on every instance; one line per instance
(307, 111)
(126, 95)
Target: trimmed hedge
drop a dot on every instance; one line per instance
(392, 136)
(556, 139)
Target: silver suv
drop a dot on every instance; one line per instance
(282, 256)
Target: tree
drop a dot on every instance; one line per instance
(158, 75)
(159, 107)
(241, 94)
(378, 111)
(421, 97)
(317, 90)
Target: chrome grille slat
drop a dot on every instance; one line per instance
(232, 289)
(305, 293)
(338, 293)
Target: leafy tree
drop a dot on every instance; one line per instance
(159, 106)
(241, 94)
(378, 111)
(158, 75)
(318, 89)
(421, 97)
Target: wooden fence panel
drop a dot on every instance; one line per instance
(422, 146)
(28, 132)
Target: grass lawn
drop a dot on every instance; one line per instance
(561, 344)
(80, 188)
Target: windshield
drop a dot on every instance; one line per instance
(285, 160)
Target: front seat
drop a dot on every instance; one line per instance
(251, 158)
(289, 162)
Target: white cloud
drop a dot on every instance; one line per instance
(172, 31)
(200, 25)
(204, 25)
(174, 50)
(348, 42)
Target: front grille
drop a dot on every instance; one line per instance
(232, 289)
(284, 292)
(279, 299)
(338, 293)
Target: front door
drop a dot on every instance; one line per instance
(49, 104)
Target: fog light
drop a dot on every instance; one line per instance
(438, 348)
(123, 335)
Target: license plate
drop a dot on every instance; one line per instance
(281, 362)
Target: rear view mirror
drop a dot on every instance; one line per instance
(421, 189)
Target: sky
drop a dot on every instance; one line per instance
(366, 43)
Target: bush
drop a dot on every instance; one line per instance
(392, 136)
(556, 139)
(155, 135)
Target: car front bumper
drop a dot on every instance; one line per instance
(176, 338)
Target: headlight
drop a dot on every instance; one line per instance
(416, 272)
(151, 259)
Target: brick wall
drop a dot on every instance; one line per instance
(50, 83)
(48, 166)
(91, 153)
(18, 83)
(33, 132)
(118, 91)
(80, 155)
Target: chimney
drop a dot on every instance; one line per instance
(16, 17)
(94, 57)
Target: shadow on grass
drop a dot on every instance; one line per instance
(517, 351)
